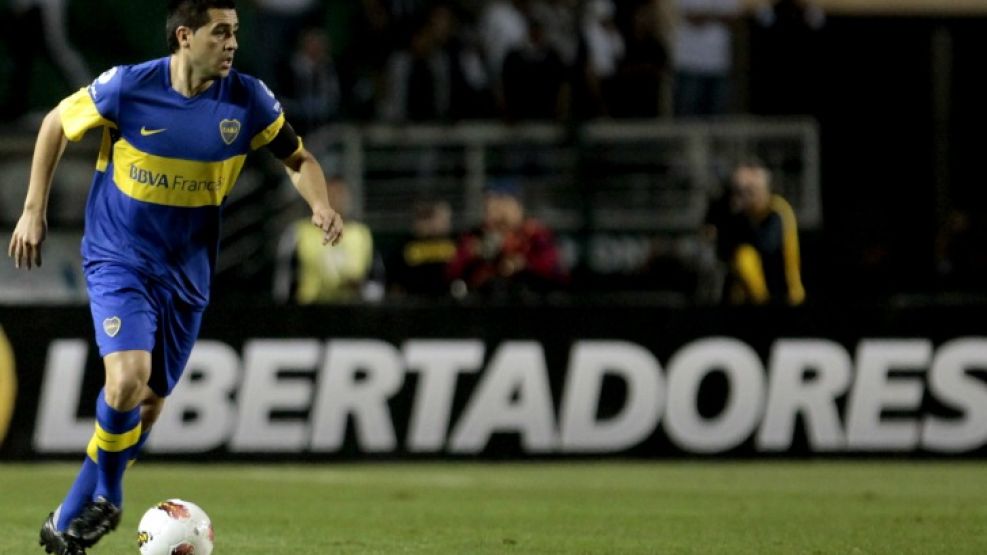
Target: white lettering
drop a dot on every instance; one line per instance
(264, 391)
(791, 393)
(199, 415)
(951, 383)
(357, 379)
(589, 362)
(686, 370)
(58, 429)
(874, 391)
(513, 395)
(612, 398)
(438, 364)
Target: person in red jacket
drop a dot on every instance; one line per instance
(509, 253)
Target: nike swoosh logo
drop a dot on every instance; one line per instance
(145, 131)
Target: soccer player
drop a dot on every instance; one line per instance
(175, 131)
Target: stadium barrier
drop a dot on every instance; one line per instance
(349, 382)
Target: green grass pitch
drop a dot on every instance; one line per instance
(625, 507)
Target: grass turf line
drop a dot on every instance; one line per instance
(627, 507)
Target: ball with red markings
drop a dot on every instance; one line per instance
(175, 527)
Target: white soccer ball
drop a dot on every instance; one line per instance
(175, 527)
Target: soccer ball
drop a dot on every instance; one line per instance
(175, 527)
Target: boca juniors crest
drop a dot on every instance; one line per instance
(229, 129)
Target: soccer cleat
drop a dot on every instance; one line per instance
(55, 542)
(98, 518)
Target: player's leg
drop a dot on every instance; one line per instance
(151, 407)
(118, 432)
(118, 419)
(139, 382)
(84, 486)
(124, 319)
(115, 456)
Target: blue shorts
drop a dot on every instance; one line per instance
(131, 312)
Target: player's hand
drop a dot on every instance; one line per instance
(25, 244)
(331, 224)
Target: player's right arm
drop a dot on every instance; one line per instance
(89, 108)
(25, 244)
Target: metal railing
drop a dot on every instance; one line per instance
(643, 175)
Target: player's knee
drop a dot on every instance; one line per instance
(123, 390)
(127, 373)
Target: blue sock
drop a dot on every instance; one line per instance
(136, 449)
(116, 434)
(82, 490)
(79, 494)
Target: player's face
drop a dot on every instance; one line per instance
(213, 45)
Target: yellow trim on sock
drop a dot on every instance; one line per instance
(93, 450)
(115, 443)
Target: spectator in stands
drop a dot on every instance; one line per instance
(312, 92)
(503, 27)
(279, 24)
(704, 56)
(417, 267)
(472, 97)
(604, 50)
(418, 82)
(534, 81)
(393, 21)
(509, 254)
(641, 87)
(32, 28)
(757, 235)
(560, 19)
(308, 274)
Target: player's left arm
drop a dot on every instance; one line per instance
(310, 181)
(305, 172)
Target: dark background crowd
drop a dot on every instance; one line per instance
(898, 100)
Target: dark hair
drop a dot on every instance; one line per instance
(192, 14)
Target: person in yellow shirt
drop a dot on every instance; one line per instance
(308, 274)
(763, 245)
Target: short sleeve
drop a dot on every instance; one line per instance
(94, 106)
(267, 115)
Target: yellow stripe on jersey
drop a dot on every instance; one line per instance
(173, 181)
(268, 134)
(105, 149)
(79, 114)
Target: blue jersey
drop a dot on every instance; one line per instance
(165, 168)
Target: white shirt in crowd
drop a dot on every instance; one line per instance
(604, 44)
(502, 29)
(705, 47)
